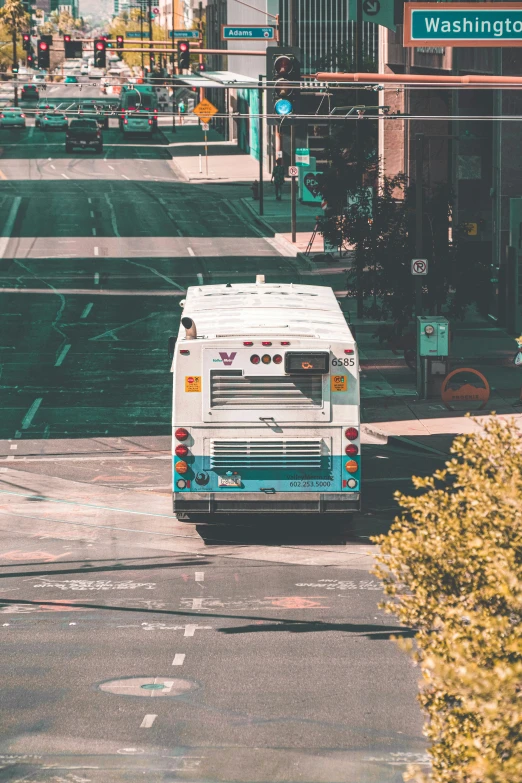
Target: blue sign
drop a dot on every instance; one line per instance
(187, 34)
(464, 24)
(136, 34)
(283, 107)
(240, 32)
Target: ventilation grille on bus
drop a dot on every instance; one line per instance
(231, 389)
(268, 453)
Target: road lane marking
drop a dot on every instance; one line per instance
(96, 251)
(53, 166)
(197, 603)
(91, 213)
(112, 212)
(65, 176)
(2, 175)
(111, 167)
(13, 446)
(124, 177)
(190, 251)
(63, 353)
(29, 416)
(200, 278)
(89, 201)
(147, 721)
(9, 224)
(179, 659)
(199, 576)
(96, 278)
(87, 310)
(94, 232)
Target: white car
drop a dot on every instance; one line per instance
(38, 78)
(12, 117)
(138, 122)
(84, 69)
(53, 121)
(96, 73)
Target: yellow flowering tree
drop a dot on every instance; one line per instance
(451, 567)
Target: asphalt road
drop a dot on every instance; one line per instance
(267, 654)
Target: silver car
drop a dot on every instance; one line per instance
(53, 121)
(12, 117)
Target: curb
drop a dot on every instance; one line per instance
(278, 237)
(401, 440)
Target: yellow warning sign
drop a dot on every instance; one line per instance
(192, 383)
(205, 110)
(471, 229)
(338, 383)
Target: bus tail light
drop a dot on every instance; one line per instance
(286, 343)
(278, 358)
(181, 467)
(351, 433)
(255, 358)
(248, 343)
(266, 342)
(351, 466)
(349, 351)
(266, 359)
(181, 433)
(181, 450)
(351, 450)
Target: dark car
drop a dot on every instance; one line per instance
(83, 133)
(93, 111)
(29, 92)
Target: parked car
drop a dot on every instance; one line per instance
(54, 121)
(83, 133)
(12, 117)
(29, 92)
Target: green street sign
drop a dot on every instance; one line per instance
(380, 12)
(463, 24)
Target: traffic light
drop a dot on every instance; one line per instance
(26, 42)
(183, 55)
(202, 67)
(283, 68)
(43, 54)
(100, 46)
(30, 59)
(120, 43)
(68, 48)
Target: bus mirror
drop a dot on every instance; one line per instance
(171, 344)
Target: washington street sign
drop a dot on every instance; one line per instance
(463, 24)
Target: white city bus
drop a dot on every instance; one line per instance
(266, 410)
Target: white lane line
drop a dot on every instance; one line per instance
(190, 630)
(96, 251)
(91, 213)
(29, 416)
(179, 659)
(200, 278)
(124, 177)
(87, 310)
(96, 278)
(197, 603)
(111, 167)
(9, 224)
(63, 353)
(190, 251)
(18, 434)
(53, 166)
(13, 446)
(65, 176)
(199, 576)
(89, 201)
(147, 721)
(94, 232)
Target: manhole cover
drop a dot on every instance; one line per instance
(147, 686)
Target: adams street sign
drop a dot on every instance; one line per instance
(463, 24)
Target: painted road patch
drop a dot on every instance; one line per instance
(147, 687)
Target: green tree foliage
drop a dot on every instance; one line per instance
(13, 21)
(131, 21)
(451, 566)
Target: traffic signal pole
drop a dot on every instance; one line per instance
(151, 55)
(419, 208)
(358, 145)
(261, 145)
(293, 183)
(15, 64)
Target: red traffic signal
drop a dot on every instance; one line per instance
(43, 46)
(67, 38)
(119, 40)
(26, 37)
(100, 46)
(183, 47)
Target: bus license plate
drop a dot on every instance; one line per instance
(229, 481)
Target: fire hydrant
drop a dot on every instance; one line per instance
(255, 190)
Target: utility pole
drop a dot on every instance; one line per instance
(419, 208)
(151, 55)
(261, 145)
(173, 72)
(293, 183)
(15, 63)
(358, 129)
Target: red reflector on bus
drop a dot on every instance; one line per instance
(349, 351)
(248, 343)
(285, 343)
(181, 434)
(184, 352)
(266, 342)
(351, 433)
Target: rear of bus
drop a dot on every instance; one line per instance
(265, 423)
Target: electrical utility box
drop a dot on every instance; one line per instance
(433, 335)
